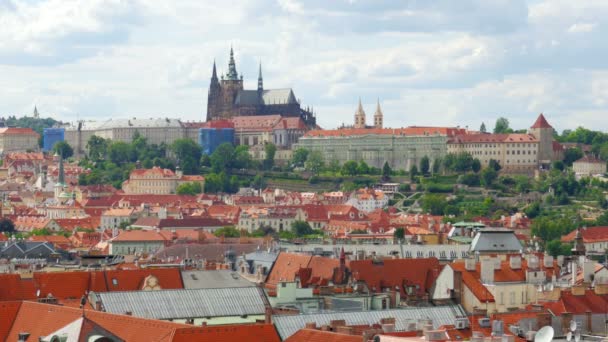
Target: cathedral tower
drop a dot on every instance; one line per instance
(360, 116)
(378, 117)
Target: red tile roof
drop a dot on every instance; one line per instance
(541, 122)
(313, 335)
(445, 131)
(489, 138)
(390, 273)
(228, 333)
(18, 131)
(590, 234)
(43, 319)
(286, 267)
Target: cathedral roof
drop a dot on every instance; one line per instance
(269, 97)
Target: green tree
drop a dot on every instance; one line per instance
(222, 157)
(301, 228)
(571, 155)
(120, 152)
(314, 162)
(399, 233)
(241, 158)
(425, 165)
(463, 162)
(413, 172)
(188, 154)
(488, 176)
(349, 168)
(300, 156)
(482, 128)
(434, 204)
(475, 165)
(6, 225)
(533, 210)
(63, 149)
(271, 150)
(227, 232)
(502, 126)
(436, 165)
(362, 168)
(556, 247)
(494, 164)
(386, 171)
(189, 188)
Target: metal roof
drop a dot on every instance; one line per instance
(495, 240)
(213, 279)
(195, 303)
(288, 325)
(269, 97)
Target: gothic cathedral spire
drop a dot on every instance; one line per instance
(260, 79)
(214, 73)
(232, 74)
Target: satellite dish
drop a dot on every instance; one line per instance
(569, 336)
(545, 334)
(572, 325)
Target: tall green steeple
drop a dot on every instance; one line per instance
(61, 176)
(232, 74)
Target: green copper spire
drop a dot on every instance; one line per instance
(232, 74)
(61, 176)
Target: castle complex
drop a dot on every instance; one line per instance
(227, 98)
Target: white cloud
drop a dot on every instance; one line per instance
(430, 63)
(581, 28)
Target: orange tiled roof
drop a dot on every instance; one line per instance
(489, 138)
(590, 234)
(229, 333)
(139, 235)
(18, 131)
(412, 131)
(313, 335)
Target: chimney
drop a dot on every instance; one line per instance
(268, 315)
(515, 262)
(129, 313)
(311, 325)
(469, 264)
(337, 323)
(345, 330)
(566, 319)
(487, 271)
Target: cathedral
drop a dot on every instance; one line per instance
(228, 99)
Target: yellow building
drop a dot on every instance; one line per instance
(158, 181)
(13, 139)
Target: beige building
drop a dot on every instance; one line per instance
(156, 131)
(494, 285)
(13, 139)
(157, 181)
(589, 166)
(516, 152)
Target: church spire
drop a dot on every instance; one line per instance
(214, 73)
(360, 116)
(260, 79)
(232, 74)
(36, 115)
(378, 116)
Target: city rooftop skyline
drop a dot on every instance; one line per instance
(430, 63)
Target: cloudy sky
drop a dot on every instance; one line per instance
(430, 62)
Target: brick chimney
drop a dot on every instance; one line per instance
(311, 325)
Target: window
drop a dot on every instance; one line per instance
(512, 298)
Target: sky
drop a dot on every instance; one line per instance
(428, 62)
